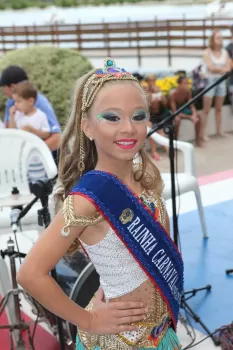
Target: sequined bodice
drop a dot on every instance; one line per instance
(119, 272)
(115, 266)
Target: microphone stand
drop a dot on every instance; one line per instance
(167, 125)
(42, 190)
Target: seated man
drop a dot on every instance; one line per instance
(13, 75)
(177, 98)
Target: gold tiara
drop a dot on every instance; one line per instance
(102, 75)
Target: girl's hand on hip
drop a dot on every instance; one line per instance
(115, 317)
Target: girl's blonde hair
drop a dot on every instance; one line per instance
(69, 173)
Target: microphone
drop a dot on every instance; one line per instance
(14, 215)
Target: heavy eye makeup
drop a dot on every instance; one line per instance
(140, 116)
(109, 116)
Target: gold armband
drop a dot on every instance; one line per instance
(72, 220)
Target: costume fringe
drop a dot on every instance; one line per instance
(225, 336)
(169, 342)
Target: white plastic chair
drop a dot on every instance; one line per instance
(187, 180)
(16, 146)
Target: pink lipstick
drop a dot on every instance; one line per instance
(126, 143)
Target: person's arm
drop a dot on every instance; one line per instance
(229, 49)
(53, 141)
(194, 117)
(11, 120)
(172, 101)
(211, 67)
(45, 135)
(192, 106)
(42, 134)
(6, 119)
(228, 64)
(164, 101)
(34, 277)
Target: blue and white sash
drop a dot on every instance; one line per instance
(142, 235)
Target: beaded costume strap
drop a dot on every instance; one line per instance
(71, 219)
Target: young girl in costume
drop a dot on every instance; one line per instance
(113, 208)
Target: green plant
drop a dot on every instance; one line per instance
(42, 5)
(3, 6)
(52, 70)
(19, 4)
(66, 3)
(96, 2)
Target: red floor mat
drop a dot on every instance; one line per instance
(42, 340)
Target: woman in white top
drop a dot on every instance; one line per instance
(217, 63)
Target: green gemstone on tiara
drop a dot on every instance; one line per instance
(109, 63)
(110, 68)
